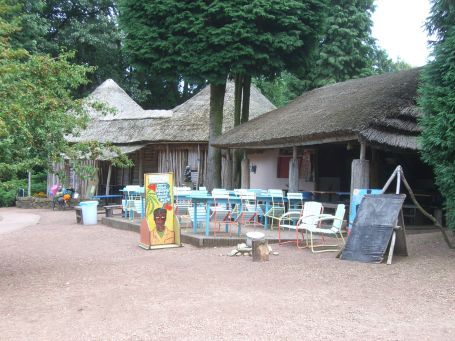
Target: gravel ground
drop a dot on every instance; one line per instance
(63, 281)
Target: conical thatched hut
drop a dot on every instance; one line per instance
(156, 140)
(374, 117)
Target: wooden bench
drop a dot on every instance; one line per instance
(109, 209)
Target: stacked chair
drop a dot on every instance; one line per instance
(277, 208)
(182, 203)
(133, 201)
(221, 211)
(201, 209)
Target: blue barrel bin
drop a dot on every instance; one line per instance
(89, 212)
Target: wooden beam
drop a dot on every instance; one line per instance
(108, 180)
(294, 171)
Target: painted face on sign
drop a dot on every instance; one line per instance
(160, 219)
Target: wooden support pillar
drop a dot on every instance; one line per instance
(227, 171)
(108, 180)
(168, 164)
(360, 171)
(363, 150)
(294, 171)
(141, 167)
(200, 176)
(29, 184)
(245, 172)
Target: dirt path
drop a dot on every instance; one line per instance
(62, 281)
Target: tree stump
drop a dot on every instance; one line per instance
(260, 250)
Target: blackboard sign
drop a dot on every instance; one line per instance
(373, 227)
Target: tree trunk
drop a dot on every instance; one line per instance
(238, 99)
(237, 154)
(246, 99)
(245, 172)
(217, 92)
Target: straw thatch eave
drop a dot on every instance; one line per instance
(342, 109)
(188, 122)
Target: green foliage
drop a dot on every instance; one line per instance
(346, 50)
(36, 106)
(437, 99)
(9, 189)
(88, 27)
(206, 40)
(282, 89)
(346, 44)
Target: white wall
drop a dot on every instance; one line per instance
(266, 172)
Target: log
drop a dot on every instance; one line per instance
(260, 250)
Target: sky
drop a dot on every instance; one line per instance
(398, 27)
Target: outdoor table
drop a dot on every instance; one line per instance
(208, 199)
(106, 197)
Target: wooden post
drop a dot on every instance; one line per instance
(199, 167)
(141, 167)
(260, 250)
(108, 180)
(360, 171)
(245, 172)
(294, 171)
(363, 150)
(167, 158)
(227, 171)
(29, 186)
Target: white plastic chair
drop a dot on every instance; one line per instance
(333, 230)
(293, 220)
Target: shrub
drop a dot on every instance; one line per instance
(9, 189)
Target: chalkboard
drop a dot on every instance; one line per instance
(373, 227)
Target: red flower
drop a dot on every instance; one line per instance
(167, 207)
(152, 187)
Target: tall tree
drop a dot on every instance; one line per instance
(207, 40)
(36, 106)
(346, 43)
(437, 99)
(346, 50)
(88, 27)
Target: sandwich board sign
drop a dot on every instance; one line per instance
(159, 229)
(375, 228)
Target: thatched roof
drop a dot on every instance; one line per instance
(187, 122)
(378, 109)
(124, 107)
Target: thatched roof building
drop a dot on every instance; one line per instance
(380, 110)
(187, 122)
(156, 140)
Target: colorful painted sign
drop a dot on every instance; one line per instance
(159, 229)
